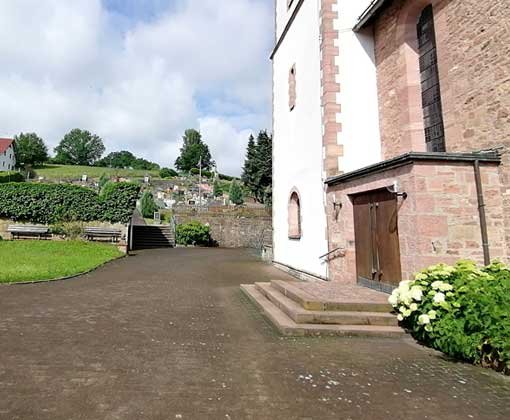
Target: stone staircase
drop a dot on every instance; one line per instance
(297, 312)
(153, 236)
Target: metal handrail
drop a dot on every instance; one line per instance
(331, 252)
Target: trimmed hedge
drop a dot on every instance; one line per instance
(54, 203)
(6, 177)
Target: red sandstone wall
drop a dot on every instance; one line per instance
(438, 222)
(473, 47)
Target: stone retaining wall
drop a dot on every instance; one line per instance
(231, 230)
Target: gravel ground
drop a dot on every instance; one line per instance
(167, 334)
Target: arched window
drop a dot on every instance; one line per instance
(294, 216)
(292, 87)
(430, 89)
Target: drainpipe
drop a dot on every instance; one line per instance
(481, 211)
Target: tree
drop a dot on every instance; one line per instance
(236, 194)
(192, 151)
(249, 170)
(167, 173)
(217, 189)
(145, 164)
(103, 180)
(30, 149)
(148, 205)
(79, 147)
(122, 159)
(258, 167)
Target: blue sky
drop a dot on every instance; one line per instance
(138, 72)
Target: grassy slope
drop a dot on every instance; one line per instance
(45, 260)
(68, 172)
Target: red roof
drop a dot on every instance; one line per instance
(4, 144)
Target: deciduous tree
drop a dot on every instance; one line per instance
(30, 149)
(193, 151)
(79, 147)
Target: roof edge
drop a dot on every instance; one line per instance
(287, 28)
(409, 158)
(368, 14)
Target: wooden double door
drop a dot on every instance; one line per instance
(376, 236)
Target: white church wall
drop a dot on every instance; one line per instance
(297, 155)
(358, 97)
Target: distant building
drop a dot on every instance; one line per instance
(7, 157)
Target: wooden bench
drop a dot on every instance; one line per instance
(103, 233)
(17, 231)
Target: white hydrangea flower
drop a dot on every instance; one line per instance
(400, 317)
(432, 314)
(416, 293)
(437, 284)
(421, 276)
(445, 287)
(423, 319)
(407, 313)
(413, 307)
(439, 298)
(405, 283)
(393, 299)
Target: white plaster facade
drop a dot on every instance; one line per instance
(7, 157)
(298, 151)
(297, 146)
(360, 134)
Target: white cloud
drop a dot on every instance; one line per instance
(202, 63)
(226, 143)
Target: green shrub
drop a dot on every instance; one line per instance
(167, 173)
(54, 203)
(6, 177)
(103, 180)
(461, 311)
(71, 230)
(148, 205)
(193, 233)
(224, 177)
(205, 174)
(236, 194)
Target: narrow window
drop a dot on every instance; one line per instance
(294, 216)
(430, 89)
(292, 88)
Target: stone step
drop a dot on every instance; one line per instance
(286, 326)
(303, 316)
(158, 237)
(311, 303)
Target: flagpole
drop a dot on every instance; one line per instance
(200, 183)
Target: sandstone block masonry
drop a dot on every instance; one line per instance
(232, 230)
(438, 222)
(473, 52)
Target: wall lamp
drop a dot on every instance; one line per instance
(336, 207)
(395, 190)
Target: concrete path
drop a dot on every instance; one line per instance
(168, 335)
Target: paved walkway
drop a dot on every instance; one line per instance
(168, 335)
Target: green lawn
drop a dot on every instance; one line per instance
(70, 173)
(48, 260)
